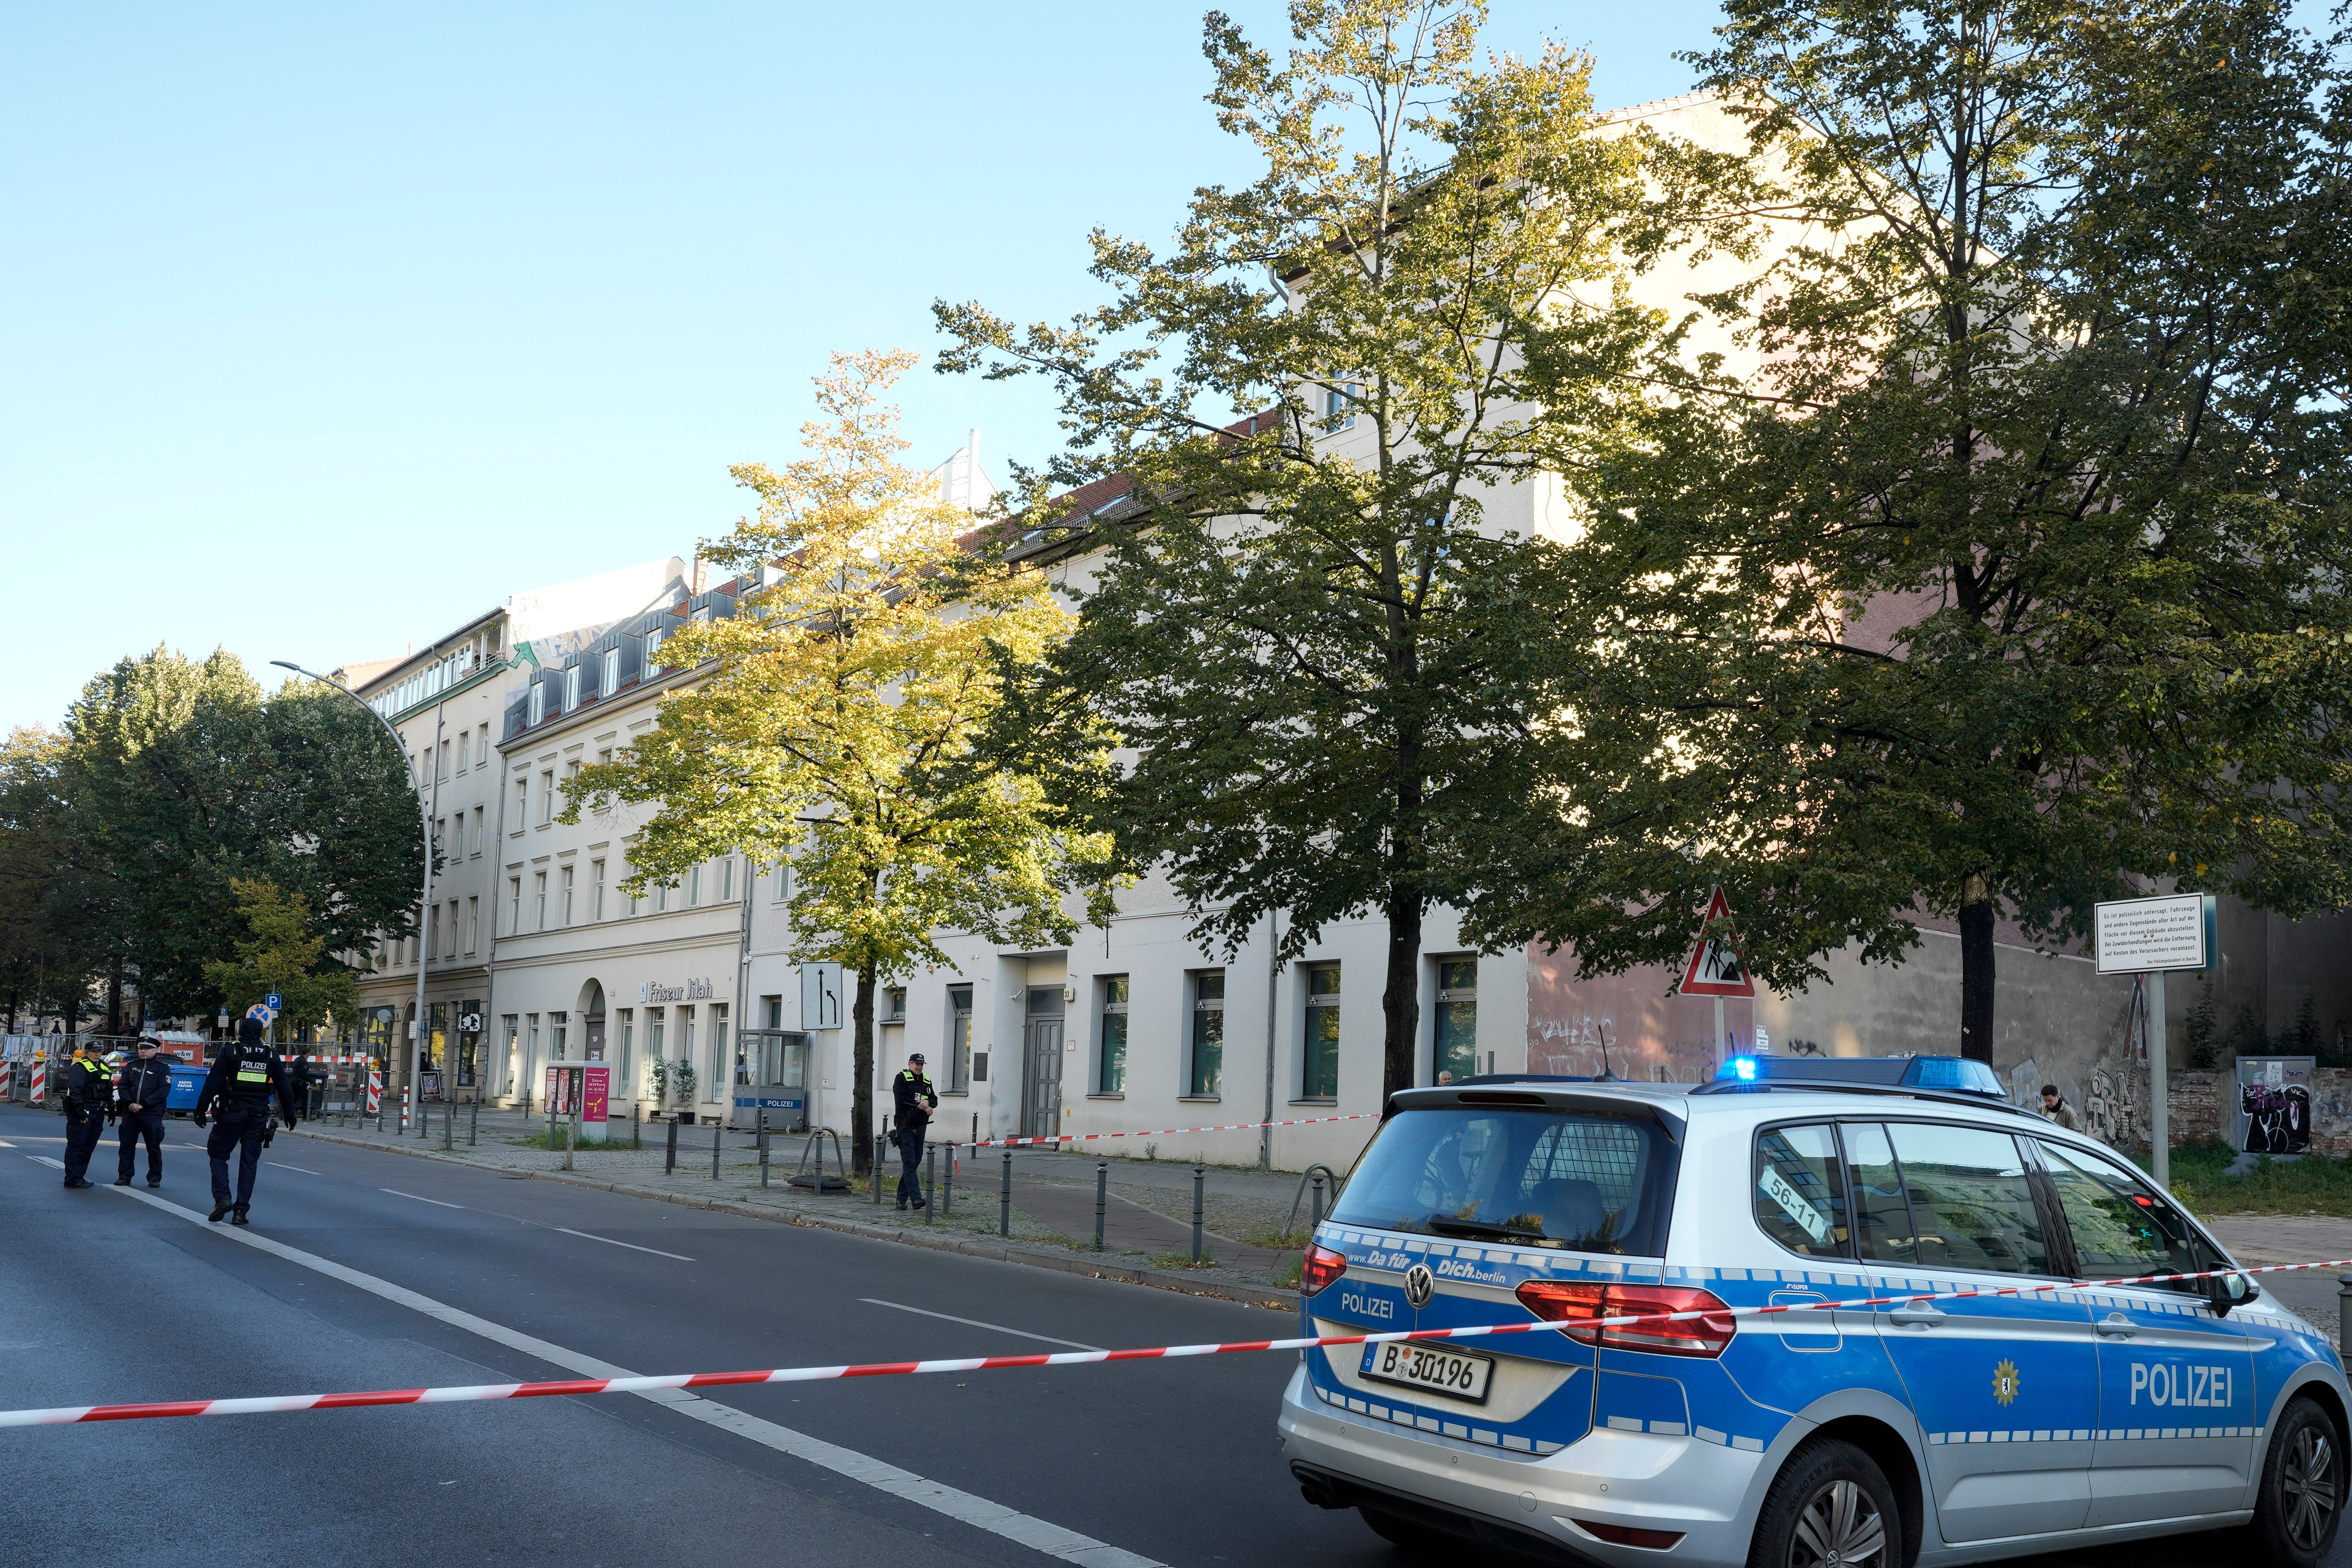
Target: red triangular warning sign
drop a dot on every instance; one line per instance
(1716, 966)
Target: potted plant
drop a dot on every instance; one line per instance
(681, 1074)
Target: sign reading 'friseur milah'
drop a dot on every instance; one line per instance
(2138, 936)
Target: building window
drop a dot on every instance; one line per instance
(596, 890)
(621, 1078)
(1110, 1076)
(453, 928)
(718, 1046)
(572, 689)
(612, 682)
(523, 803)
(538, 702)
(686, 1041)
(443, 763)
(653, 652)
(473, 925)
(1207, 1075)
(661, 897)
(477, 829)
(727, 878)
(530, 1033)
(432, 930)
(694, 887)
(959, 1073)
(772, 1008)
(1456, 1056)
(465, 740)
(482, 747)
(558, 1034)
(507, 1033)
(782, 882)
(655, 1026)
(514, 905)
(894, 1005)
(1318, 1075)
(1340, 403)
(546, 796)
(538, 901)
(565, 910)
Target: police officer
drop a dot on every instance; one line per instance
(916, 1099)
(141, 1092)
(243, 1078)
(89, 1099)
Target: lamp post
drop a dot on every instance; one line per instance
(424, 826)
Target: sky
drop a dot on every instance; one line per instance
(323, 329)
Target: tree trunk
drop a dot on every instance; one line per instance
(861, 1072)
(1976, 967)
(114, 999)
(13, 999)
(1401, 1002)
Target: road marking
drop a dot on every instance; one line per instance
(282, 1166)
(632, 1246)
(975, 1322)
(7, 1145)
(977, 1512)
(396, 1192)
(44, 1160)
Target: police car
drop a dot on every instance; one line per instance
(1953, 1431)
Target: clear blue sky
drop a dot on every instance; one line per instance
(327, 327)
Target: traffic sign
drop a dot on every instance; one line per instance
(2141, 936)
(271, 1001)
(1715, 967)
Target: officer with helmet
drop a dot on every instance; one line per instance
(243, 1078)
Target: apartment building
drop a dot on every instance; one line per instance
(448, 700)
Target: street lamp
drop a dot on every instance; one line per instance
(424, 898)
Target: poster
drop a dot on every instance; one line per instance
(2275, 1104)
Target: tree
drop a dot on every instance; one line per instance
(1332, 659)
(2012, 581)
(282, 952)
(186, 778)
(56, 936)
(834, 730)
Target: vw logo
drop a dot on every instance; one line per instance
(1420, 1284)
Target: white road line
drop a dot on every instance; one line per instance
(4, 1145)
(44, 1160)
(396, 1192)
(632, 1246)
(975, 1322)
(977, 1512)
(282, 1166)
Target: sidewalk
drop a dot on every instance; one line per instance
(1146, 1229)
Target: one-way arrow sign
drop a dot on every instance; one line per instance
(1715, 967)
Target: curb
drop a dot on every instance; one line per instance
(1157, 1279)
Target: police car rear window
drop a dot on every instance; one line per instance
(1516, 1177)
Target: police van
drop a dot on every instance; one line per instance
(1952, 1431)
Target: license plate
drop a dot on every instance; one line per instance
(1436, 1369)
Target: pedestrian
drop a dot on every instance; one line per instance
(90, 1105)
(915, 1098)
(243, 1078)
(141, 1092)
(2055, 1108)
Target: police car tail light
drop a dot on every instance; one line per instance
(1320, 1268)
(1560, 1301)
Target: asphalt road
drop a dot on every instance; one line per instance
(106, 1299)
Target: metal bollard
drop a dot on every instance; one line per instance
(669, 1160)
(931, 1179)
(474, 1121)
(1317, 1210)
(763, 1147)
(947, 1193)
(1005, 1199)
(718, 1130)
(881, 1141)
(1102, 1198)
(1200, 1175)
(2344, 1311)
(551, 1122)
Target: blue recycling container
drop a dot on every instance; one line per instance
(187, 1083)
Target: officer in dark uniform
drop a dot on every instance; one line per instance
(243, 1078)
(141, 1092)
(915, 1099)
(89, 1098)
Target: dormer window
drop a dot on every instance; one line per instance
(537, 701)
(571, 688)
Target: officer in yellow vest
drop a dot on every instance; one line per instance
(89, 1097)
(245, 1077)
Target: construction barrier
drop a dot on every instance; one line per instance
(1579, 1327)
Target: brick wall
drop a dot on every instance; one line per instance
(2201, 1107)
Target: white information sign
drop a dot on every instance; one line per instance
(2137, 936)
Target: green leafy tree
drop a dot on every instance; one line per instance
(281, 953)
(57, 935)
(2011, 580)
(834, 730)
(1327, 630)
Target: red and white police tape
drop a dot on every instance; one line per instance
(1166, 1132)
(71, 1413)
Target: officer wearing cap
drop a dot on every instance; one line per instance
(912, 1093)
(244, 1077)
(140, 1091)
(89, 1097)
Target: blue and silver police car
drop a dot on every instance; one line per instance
(1955, 1431)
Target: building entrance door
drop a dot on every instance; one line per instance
(1041, 1063)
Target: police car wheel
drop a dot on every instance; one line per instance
(2303, 1480)
(1831, 1508)
(1413, 1540)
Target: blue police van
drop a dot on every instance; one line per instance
(1952, 1431)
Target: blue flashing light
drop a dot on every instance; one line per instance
(1958, 1073)
(1744, 1068)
